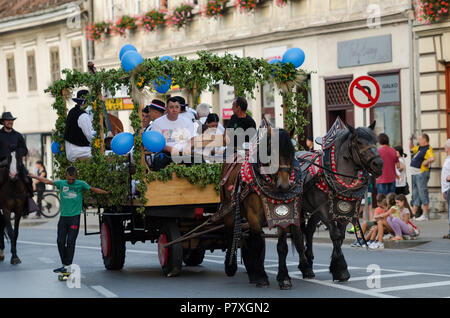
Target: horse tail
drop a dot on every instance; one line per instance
(3, 226)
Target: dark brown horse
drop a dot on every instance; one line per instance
(13, 198)
(333, 196)
(250, 208)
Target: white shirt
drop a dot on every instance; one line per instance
(220, 128)
(73, 151)
(445, 186)
(176, 132)
(401, 182)
(188, 115)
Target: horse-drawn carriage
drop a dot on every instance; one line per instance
(165, 219)
(186, 219)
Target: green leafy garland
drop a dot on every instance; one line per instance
(200, 174)
(111, 172)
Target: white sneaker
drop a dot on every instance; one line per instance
(377, 246)
(422, 218)
(372, 245)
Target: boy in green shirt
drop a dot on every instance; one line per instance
(71, 206)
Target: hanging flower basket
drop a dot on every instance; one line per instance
(245, 5)
(214, 8)
(180, 16)
(125, 23)
(281, 3)
(431, 11)
(153, 19)
(95, 31)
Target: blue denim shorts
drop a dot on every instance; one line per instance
(420, 188)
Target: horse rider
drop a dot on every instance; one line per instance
(79, 131)
(10, 141)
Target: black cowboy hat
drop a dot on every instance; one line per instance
(7, 116)
(81, 96)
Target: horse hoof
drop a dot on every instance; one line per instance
(341, 277)
(15, 261)
(285, 284)
(2, 258)
(263, 284)
(307, 271)
(308, 275)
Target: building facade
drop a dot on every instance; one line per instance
(38, 39)
(342, 39)
(432, 60)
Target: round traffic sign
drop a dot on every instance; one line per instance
(364, 91)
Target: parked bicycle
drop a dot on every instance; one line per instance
(50, 204)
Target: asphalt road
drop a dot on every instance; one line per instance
(423, 271)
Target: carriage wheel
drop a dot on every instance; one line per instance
(113, 242)
(193, 257)
(170, 257)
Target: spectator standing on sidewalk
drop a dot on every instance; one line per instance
(386, 182)
(422, 158)
(445, 182)
(401, 184)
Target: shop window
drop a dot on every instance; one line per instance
(54, 64)
(387, 111)
(447, 92)
(34, 145)
(268, 102)
(338, 103)
(31, 68)
(11, 73)
(77, 57)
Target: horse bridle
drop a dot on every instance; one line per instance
(352, 147)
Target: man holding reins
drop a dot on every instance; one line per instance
(13, 141)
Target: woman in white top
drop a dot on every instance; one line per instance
(401, 185)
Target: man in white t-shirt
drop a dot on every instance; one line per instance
(445, 182)
(178, 132)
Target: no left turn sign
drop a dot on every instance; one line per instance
(364, 91)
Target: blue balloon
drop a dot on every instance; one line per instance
(295, 56)
(274, 61)
(126, 48)
(56, 148)
(153, 141)
(122, 143)
(130, 60)
(165, 84)
(166, 57)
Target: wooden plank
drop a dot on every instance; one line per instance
(179, 191)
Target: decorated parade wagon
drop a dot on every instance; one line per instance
(172, 206)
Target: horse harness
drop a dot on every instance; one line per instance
(345, 199)
(280, 208)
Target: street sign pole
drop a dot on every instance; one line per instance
(364, 92)
(366, 195)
